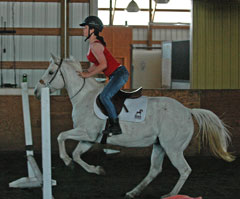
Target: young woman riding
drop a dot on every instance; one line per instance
(103, 61)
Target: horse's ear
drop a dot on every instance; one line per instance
(72, 58)
(54, 58)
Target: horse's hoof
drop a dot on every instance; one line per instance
(166, 196)
(128, 197)
(71, 165)
(100, 170)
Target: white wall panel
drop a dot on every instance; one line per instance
(140, 33)
(78, 48)
(38, 48)
(26, 15)
(161, 34)
(44, 15)
(168, 35)
(4, 12)
(77, 13)
(54, 15)
(25, 48)
(174, 35)
(33, 76)
(31, 48)
(30, 14)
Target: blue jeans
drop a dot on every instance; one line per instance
(116, 81)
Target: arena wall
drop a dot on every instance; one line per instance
(224, 103)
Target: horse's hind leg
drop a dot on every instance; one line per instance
(183, 168)
(81, 148)
(156, 167)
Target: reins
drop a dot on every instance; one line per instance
(79, 89)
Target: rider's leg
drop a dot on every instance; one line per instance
(116, 82)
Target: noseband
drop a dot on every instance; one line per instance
(48, 84)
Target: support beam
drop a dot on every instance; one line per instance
(146, 9)
(47, 1)
(93, 7)
(45, 31)
(33, 65)
(110, 14)
(149, 43)
(64, 26)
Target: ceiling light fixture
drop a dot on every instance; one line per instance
(132, 7)
(161, 1)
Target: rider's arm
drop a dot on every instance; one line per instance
(97, 50)
(91, 68)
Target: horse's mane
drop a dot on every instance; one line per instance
(77, 66)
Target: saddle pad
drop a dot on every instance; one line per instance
(136, 110)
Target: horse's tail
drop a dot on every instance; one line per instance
(213, 132)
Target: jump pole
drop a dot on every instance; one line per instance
(46, 144)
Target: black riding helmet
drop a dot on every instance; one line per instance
(93, 22)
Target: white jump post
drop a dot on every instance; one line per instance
(35, 177)
(46, 144)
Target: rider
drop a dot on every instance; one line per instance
(104, 62)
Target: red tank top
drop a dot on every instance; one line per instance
(112, 63)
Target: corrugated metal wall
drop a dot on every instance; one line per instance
(216, 45)
(77, 13)
(31, 15)
(161, 34)
(38, 48)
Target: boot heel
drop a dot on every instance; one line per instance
(113, 128)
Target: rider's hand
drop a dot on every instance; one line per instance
(83, 74)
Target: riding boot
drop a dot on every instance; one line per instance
(113, 128)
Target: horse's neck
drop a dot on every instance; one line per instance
(90, 89)
(75, 85)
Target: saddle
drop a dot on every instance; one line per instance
(118, 100)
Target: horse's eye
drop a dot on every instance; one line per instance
(50, 72)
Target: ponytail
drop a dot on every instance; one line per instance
(100, 38)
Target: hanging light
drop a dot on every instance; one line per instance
(161, 1)
(132, 7)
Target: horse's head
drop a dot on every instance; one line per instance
(52, 78)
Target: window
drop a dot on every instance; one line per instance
(162, 14)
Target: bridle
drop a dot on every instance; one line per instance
(48, 84)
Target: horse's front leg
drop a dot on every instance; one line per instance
(85, 143)
(73, 134)
(81, 148)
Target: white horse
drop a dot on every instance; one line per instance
(168, 126)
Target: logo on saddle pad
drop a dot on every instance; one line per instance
(138, 114)
(130, 106)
